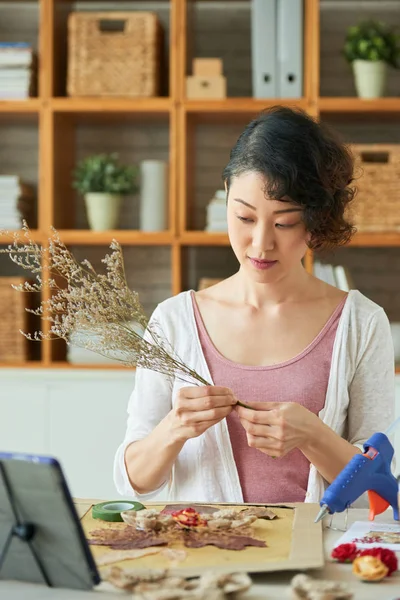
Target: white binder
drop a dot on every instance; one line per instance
(263, 48)
(290, 35)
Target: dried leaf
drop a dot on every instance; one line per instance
(194, 539)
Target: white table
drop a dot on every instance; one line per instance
(271, 586)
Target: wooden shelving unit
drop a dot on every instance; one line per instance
(57, 116)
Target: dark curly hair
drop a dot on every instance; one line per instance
(303, 160)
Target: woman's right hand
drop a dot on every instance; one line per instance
(198, 408)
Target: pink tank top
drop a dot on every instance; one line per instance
(302, 379)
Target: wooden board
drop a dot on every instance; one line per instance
(293, 541)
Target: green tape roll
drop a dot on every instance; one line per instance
(111, 511)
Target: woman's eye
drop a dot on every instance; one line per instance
(244, 219)
(283, 226)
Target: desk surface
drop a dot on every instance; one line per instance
(270, 586)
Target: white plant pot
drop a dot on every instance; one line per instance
(102, 210)
(370, 78)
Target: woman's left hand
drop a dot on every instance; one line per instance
(276, 428)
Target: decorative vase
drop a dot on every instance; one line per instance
(153, 195)
(370, 78)
(102, 210)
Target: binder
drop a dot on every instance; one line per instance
(263, 48)
(290, 35)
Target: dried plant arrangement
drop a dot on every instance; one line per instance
(225, 528)
(92, 310)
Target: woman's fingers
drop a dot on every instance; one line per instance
(201, 391)
(205, 403)
(203, 416)
(269, 446)
(258, 417)
(266, 431)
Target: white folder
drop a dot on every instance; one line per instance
(290, 35)
(263, 48)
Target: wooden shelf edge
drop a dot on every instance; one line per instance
(376, 239)
(241, 105)
(60, 365)
(35, 234)
(27, 364)
(359, 105)
(203, 238)
(124, 237)
(111, 105)
(84, 366)
(28, 106)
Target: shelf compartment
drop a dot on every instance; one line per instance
(148, 272)
(76, 138)
(374, 271)
(16, 317)
(60, 15)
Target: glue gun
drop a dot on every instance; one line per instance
(369, 472)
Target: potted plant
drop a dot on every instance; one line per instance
(370, 47)
(103, 181)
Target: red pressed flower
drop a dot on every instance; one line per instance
(345, 552)
(188, 517)
(388, 557)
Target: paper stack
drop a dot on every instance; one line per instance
(16, 202)
(16, 71)
(216, 212)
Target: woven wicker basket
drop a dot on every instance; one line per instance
(113, 54)
(377, 203)
(13, 345)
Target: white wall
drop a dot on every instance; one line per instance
(79, 417)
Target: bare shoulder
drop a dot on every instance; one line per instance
(219, 293)
(331, 295)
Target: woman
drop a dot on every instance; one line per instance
(314, 364)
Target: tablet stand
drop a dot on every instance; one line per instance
(23, 530)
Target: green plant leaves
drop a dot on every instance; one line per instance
(102, 173)
(373, 41)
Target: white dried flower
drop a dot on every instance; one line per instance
(95, 311)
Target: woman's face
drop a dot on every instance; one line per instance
(268, 236)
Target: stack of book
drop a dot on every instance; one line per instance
(336, 275)
(16, 71)
(16, 202)
(216, 212)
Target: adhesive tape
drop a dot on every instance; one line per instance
(111, 511)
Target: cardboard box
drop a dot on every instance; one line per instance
(205, 87)
(207, 67)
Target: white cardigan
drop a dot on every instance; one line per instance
(359, 400)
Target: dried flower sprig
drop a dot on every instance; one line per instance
(95, 311)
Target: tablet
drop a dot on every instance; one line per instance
(41, 537)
